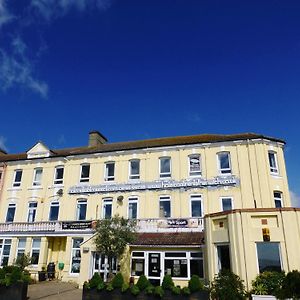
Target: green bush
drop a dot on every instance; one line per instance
(268, 283)
(167, 283)
(227, 285)
(186, 291)
(118, 281)
(143, 282)
(135, 290)
(125, 287)
(95, 281)
(109, 287)
(176, 290)
(159, 291)
(195, 284)
(149, 290)
(291, 286)
(11, 274)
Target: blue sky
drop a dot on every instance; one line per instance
(143, 69)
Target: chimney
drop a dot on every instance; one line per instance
(96, 138)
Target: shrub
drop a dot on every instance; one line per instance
(176, 290)
(143, 282)
(167, 283)
(12, 274)
(135, 290)
(227, 285)
(95, 281)
(109, 287)
(159, 291)
(117, 281)
(125, 287)
(267, 283)
(186, 291)
(149, 290)
(195, 284)
(291, 286)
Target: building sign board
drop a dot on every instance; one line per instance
(155, 185)
(177, 222)
(77, 225)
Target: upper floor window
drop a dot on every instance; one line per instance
(196, 205)
(134, 169)
(17, 178)
(54, 211)
(273, 162)
(0, 176)
(132, 207)
(226, 203)
(224, 163)
(31, 211)
(109, 174)
(11, 212)
(37, 176)
(278, 199)
(164, 207)
(59, 175)
(107, 208)
(164, 167)
(85, 173)
(81, 210)
(194, 165)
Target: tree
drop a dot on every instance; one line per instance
(22, 261)
(112, 237)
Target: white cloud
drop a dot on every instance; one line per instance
(295, 199)
(17, 69)
(5, 15)
(2, 143)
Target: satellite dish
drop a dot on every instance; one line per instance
(120, 198)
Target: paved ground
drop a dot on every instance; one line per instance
(53, 290)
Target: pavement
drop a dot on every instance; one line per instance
(54, 290)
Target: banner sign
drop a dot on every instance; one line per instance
(177, 222)
(77, 225)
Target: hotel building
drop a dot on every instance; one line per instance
(202, 203)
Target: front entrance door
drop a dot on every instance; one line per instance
(154, 267)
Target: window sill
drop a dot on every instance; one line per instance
(56, 186)
(276, 175)
(35, 188)
(15, 189)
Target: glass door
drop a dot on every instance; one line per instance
(154, 268)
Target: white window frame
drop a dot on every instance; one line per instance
(72, 251)
(37, 181)
(165, 198)
(15, 182)
(194, 173)
(21, 249)
(31, 212)
(5, 242)
(278, 198)
(273, 170)
(165, 175)
(225, 171)
(133, 199)
(141, 258)
(221, 202)
(54, 203)
(134, 176)
(80, 201)
(111, 177)
(58, 181)
(194, 198)
(105, 201)
(11, 205)
(35, 249)
(84, 179)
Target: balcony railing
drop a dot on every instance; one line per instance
(143, 225)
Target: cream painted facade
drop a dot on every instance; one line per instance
(248, 176)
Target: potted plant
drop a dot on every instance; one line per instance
(42, 274)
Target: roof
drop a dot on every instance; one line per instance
(142, 144)
(170, 239)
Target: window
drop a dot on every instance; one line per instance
(81, 210)
(100, 260)
(5, 245)
(165, 167)
(31, 211)
(134, 169)
(164, 207)
(109, 171)
(35, 251)
(223, 257)
(226, 203)
(54, 211)
(0, 176)
(194, 165)
(224, 163)
(75, 255)
(268, 256)
(37, 177)
(273, 162)
(85, 173)
(132, 207)
(278, 199)
(196, 206)
(17, 178)
(107, 208)
(196, 264)
(176, 264)
(59, 175)
(21, 247)
(137, 263)
(11, 212)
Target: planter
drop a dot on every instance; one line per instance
(17, 291)
(42, 275)
(263, 297)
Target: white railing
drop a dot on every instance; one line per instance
(50, 226)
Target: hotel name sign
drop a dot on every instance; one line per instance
(155, 185)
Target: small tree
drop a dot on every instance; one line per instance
(23, 261)
(112, 237)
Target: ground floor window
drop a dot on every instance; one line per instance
(35, 251)
(176, 264)
(21, 247)
(102, 264)
(5, 245)
(137, 263)
(223, 254)
(268, 256)
(76, 256)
